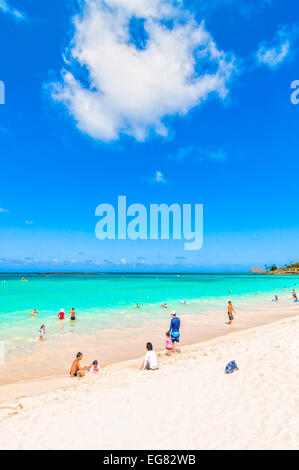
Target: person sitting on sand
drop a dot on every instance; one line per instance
(73, 314)
(174, 331)
(33, 313)
(76, 369)
(94, 367)
(61, 314)
(42, 332)
(230, 310)
(150, 361)
(168, 345)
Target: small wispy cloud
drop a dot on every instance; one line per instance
(29, 222)
(273, 53)
(6, 8)
(157, 178)
(3, 210)
(198, 154)
(247, 8)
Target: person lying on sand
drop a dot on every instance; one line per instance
(76, 369)
(33, 313)
(230, 310)
(150, 361)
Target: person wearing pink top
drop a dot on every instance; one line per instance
(168, 345)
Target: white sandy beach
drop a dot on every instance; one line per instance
(189, 403)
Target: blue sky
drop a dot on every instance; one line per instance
(195, 92)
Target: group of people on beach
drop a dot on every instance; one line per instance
(150, 361)
(78, 371)
(61, 316)
(172, 345)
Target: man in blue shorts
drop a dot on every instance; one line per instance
(174, 331)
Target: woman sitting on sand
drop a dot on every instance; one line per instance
(76, 369)
(150, 361)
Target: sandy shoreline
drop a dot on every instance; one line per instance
(50, 365)
(189, 403)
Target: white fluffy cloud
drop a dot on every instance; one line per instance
(5, 7)
(111, 86)
(274, 53)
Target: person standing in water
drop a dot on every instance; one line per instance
(294, 295)
(230, 311)
(73, 314)
(174, 331)
(42, 332)
(61, 314)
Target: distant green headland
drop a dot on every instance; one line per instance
(290, 269)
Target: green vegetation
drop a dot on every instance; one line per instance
(288, 269)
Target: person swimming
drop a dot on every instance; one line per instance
(164, 305)
(33, 313)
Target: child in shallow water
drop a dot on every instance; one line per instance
(168, 345)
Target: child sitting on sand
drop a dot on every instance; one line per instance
(94, 367)
(168, 345)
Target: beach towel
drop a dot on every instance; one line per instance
(231, 367)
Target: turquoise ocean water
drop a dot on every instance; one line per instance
(104, 301)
